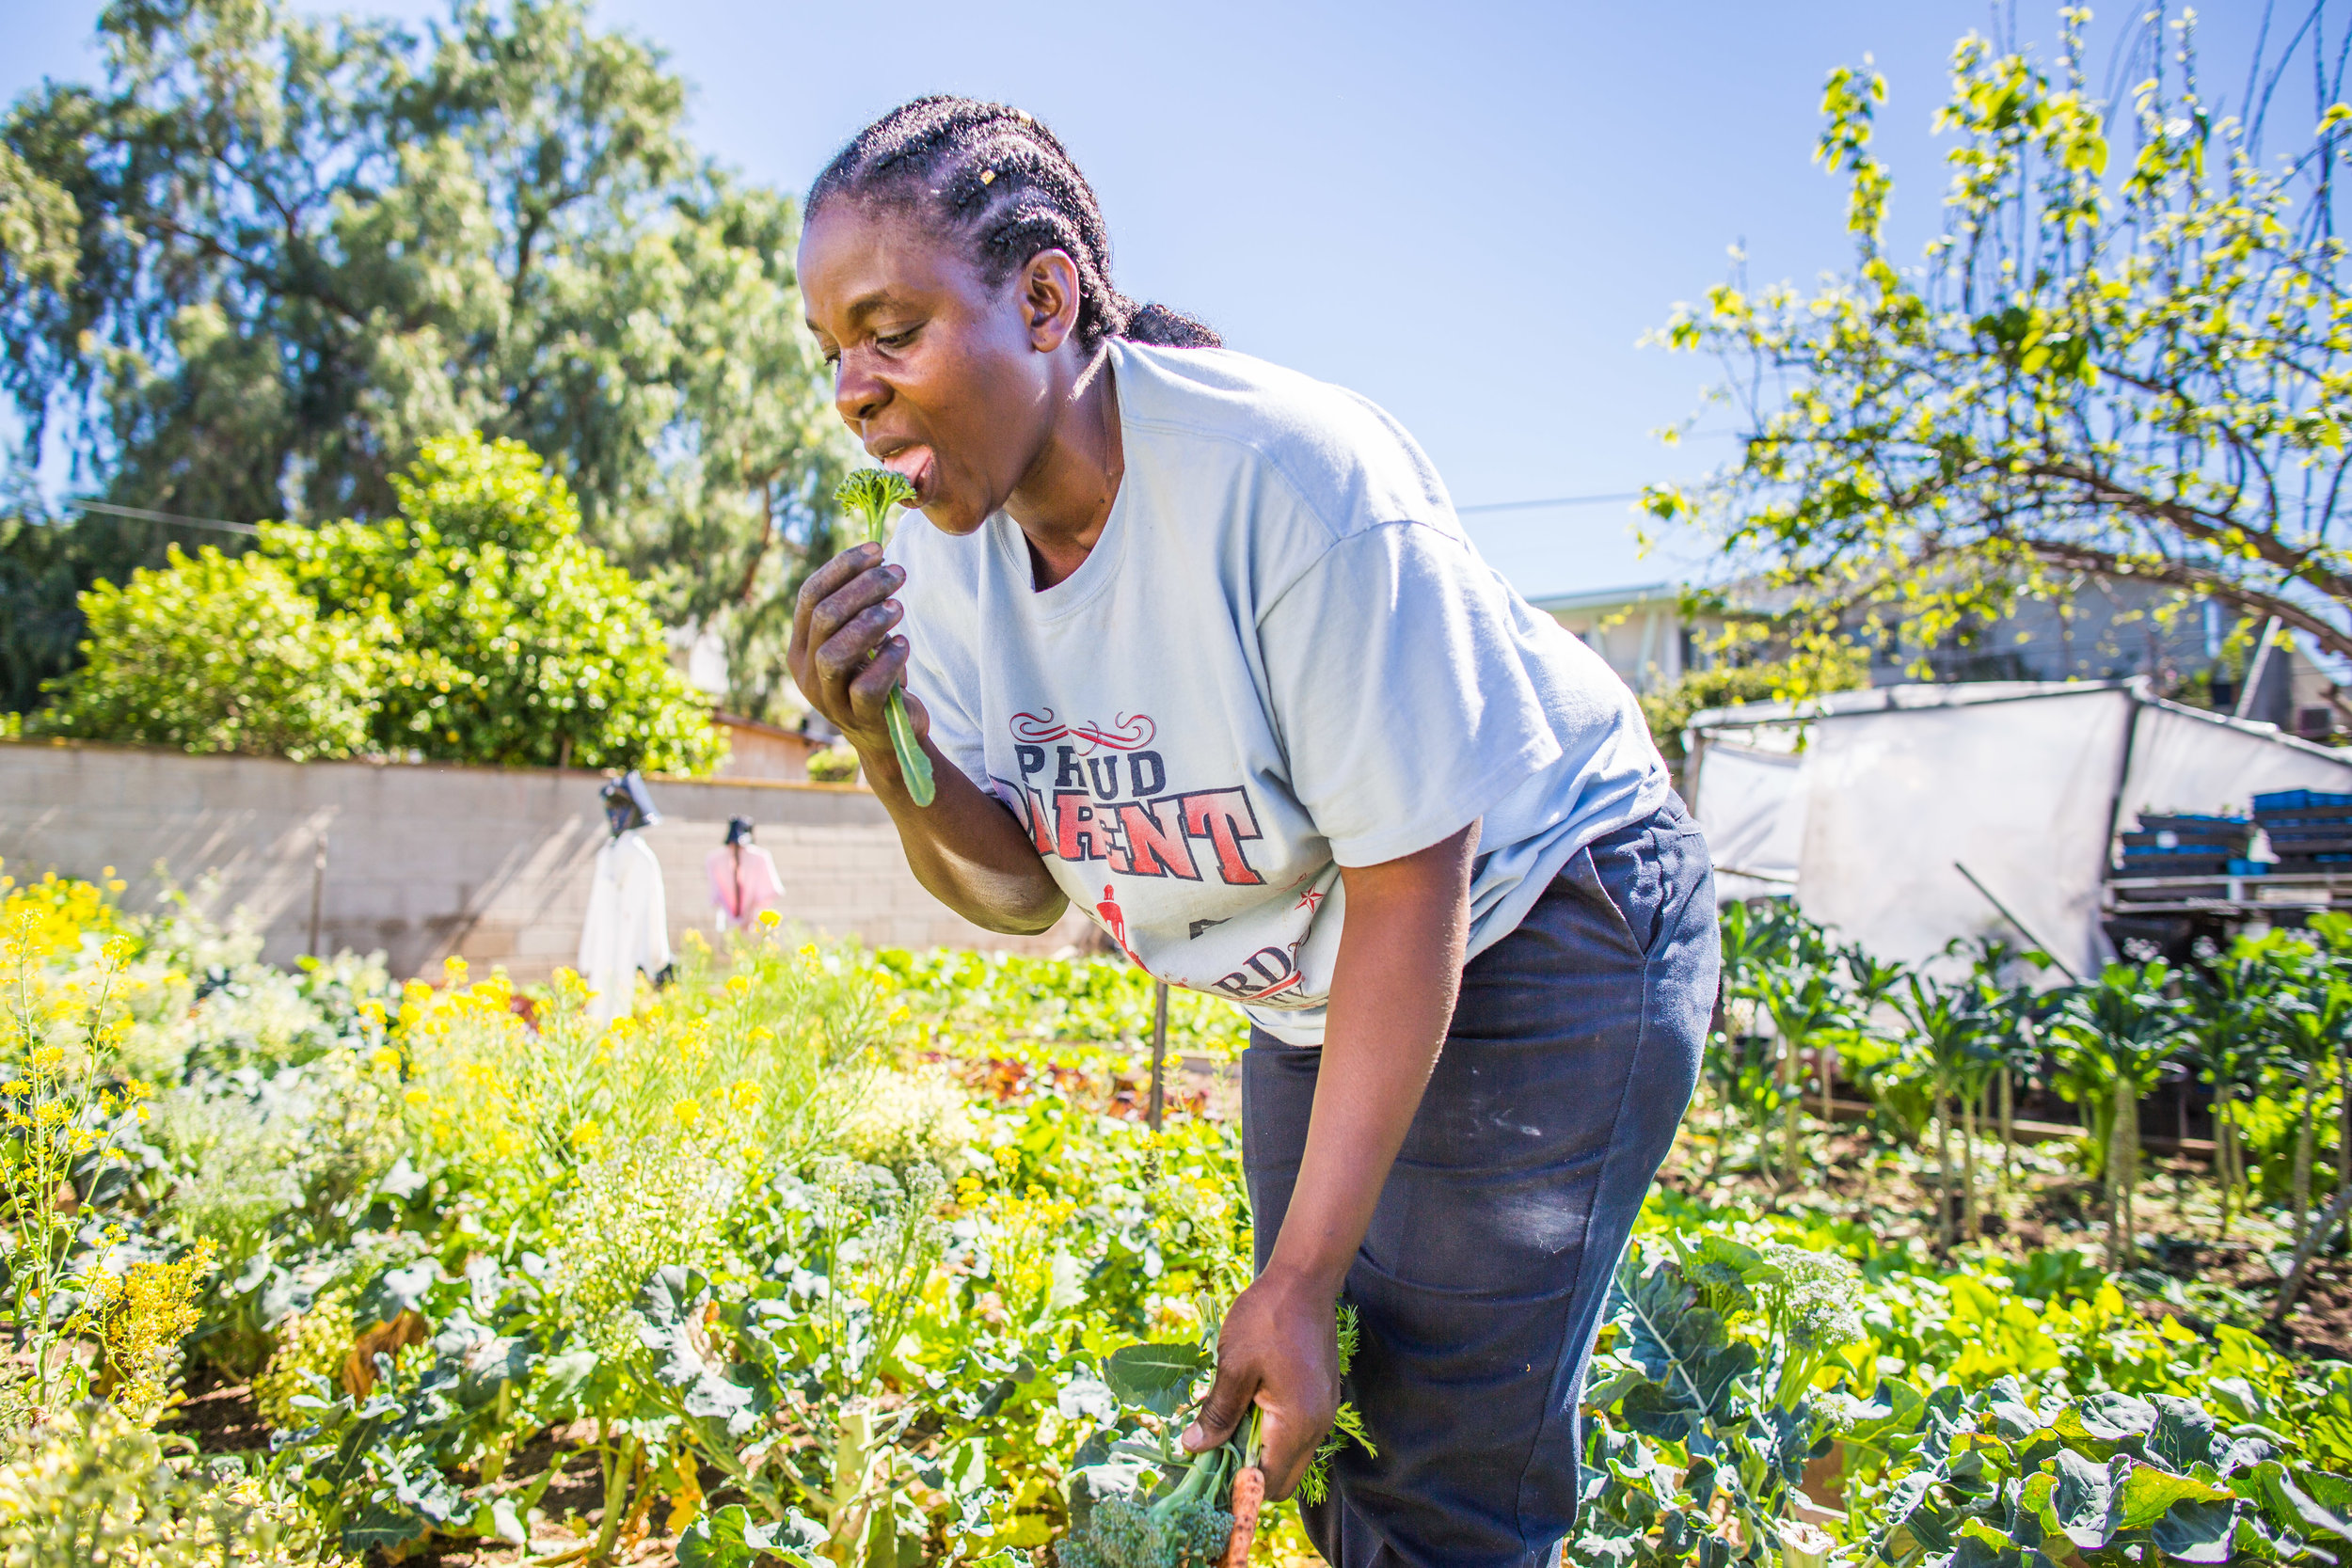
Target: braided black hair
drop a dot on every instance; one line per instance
(1003, 184)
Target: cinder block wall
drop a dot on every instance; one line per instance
(491, 865)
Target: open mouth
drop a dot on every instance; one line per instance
(917, 465)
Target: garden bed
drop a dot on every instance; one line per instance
(822, 1254)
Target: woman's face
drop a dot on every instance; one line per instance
(948, 378)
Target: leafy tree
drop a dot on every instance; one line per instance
(221, 653)
(45, 566)
(1833, 666)
(474, 626)
(2137, 376)
(249, 273)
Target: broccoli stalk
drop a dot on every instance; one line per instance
(868, 495)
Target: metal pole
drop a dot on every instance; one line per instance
(318, 894)
(1159, 1052)
(2255, 667)
(2022, 930)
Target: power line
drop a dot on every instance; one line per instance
(1554, 500)
(145, 516)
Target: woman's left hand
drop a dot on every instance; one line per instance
(1278, 1350)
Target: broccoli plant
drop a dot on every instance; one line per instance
(869, 496)
(2003, 1475)
(1705, 1407)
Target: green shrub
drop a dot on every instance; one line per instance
(220, 653)
(475, 625)
(834, 765)
(519, 642)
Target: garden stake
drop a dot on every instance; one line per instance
(1159, 1051)
(1968, 1166)
(2008, 1132)
(2305, 1143)
(318, 894)
(2312, 1243)
(1943, 1165)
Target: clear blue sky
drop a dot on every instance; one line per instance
(1468, 212)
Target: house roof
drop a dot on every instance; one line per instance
(1608, 598)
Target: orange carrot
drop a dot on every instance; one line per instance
(1248, 1497)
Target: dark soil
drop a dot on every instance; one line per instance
(219, 1415)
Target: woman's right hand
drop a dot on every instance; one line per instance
(965, 846)
(843, 655)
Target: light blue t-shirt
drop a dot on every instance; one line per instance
(1282, 656)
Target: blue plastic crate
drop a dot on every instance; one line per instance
(2294, 799)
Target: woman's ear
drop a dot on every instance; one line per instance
(1049, 299)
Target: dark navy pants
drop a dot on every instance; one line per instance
(1571, 1057)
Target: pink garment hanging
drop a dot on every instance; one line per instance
(743, 881)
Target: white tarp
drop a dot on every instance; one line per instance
(2019, 782)
(2185, 760)
(2019, 791)
(1754, 818)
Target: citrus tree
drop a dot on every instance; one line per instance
(2124, 356)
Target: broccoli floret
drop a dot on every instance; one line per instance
(1195, 1533)
(1183, 1530)
(1810, 1303)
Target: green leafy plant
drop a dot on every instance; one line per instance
(520, 643)
(2234, 1028)
(1949, 1031)
(218, 652)
(870, 496)
(1999, 1477)
(834, 765)
(1704, 1410)
(1752, 1083)
(2113, 1036)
